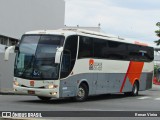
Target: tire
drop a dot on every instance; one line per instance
(135, 90)
(44, 98)
(82, 93)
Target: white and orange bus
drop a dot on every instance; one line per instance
(79, 63)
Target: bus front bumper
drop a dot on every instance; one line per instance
(36, 91)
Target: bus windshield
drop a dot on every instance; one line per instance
(36, 57)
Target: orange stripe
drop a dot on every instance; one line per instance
(125, 78)
(133, 73)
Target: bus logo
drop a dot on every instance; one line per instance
(32, 83)
(95, 65)
(91, 62)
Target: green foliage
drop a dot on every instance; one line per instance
(156, 67)
(158, 24)
(158, 33)
(157, 42)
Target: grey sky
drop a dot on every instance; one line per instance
(126, 18)
(20, 16)
(137, 4)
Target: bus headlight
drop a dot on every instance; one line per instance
(51, 86)
(15, 83)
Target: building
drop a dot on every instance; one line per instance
(8, 41)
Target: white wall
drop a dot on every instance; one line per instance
(2, 48)
(6, 73)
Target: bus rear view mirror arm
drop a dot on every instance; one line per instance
(6, 54)
(58, 54)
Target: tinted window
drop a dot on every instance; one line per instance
(140, 53)
(117, 50)
(100, 48)
(85, 47)
(106, 49)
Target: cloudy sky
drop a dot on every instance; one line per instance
(126, 18)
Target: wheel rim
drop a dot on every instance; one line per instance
(81, 93)
(135, 89)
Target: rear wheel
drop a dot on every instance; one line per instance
(44, 98)
(82, 93)
(135, 90)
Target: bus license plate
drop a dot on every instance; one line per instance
(31, 92)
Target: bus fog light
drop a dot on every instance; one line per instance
(53, 93)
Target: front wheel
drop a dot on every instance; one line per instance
(82, 93)
(44, 98)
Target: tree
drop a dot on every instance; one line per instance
(158, 33)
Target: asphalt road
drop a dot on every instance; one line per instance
(146, 101)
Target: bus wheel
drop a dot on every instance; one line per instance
(44, 98)
(135, 89)
(82, 93)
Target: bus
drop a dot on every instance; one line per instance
(79, 63)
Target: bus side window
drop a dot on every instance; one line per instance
(85, 47)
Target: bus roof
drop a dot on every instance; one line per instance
(70, 31)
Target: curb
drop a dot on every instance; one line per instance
(10, 93)
(7, 93)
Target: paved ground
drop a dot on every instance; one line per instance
(146, 101)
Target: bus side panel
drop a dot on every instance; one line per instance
(102, 83)
(142, 81)
(69, 86)
(127, 86)
(115, 82)
(99, 83)
(146, 81)
(149, 81)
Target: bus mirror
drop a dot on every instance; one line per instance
(8, 50)
(58, 54)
